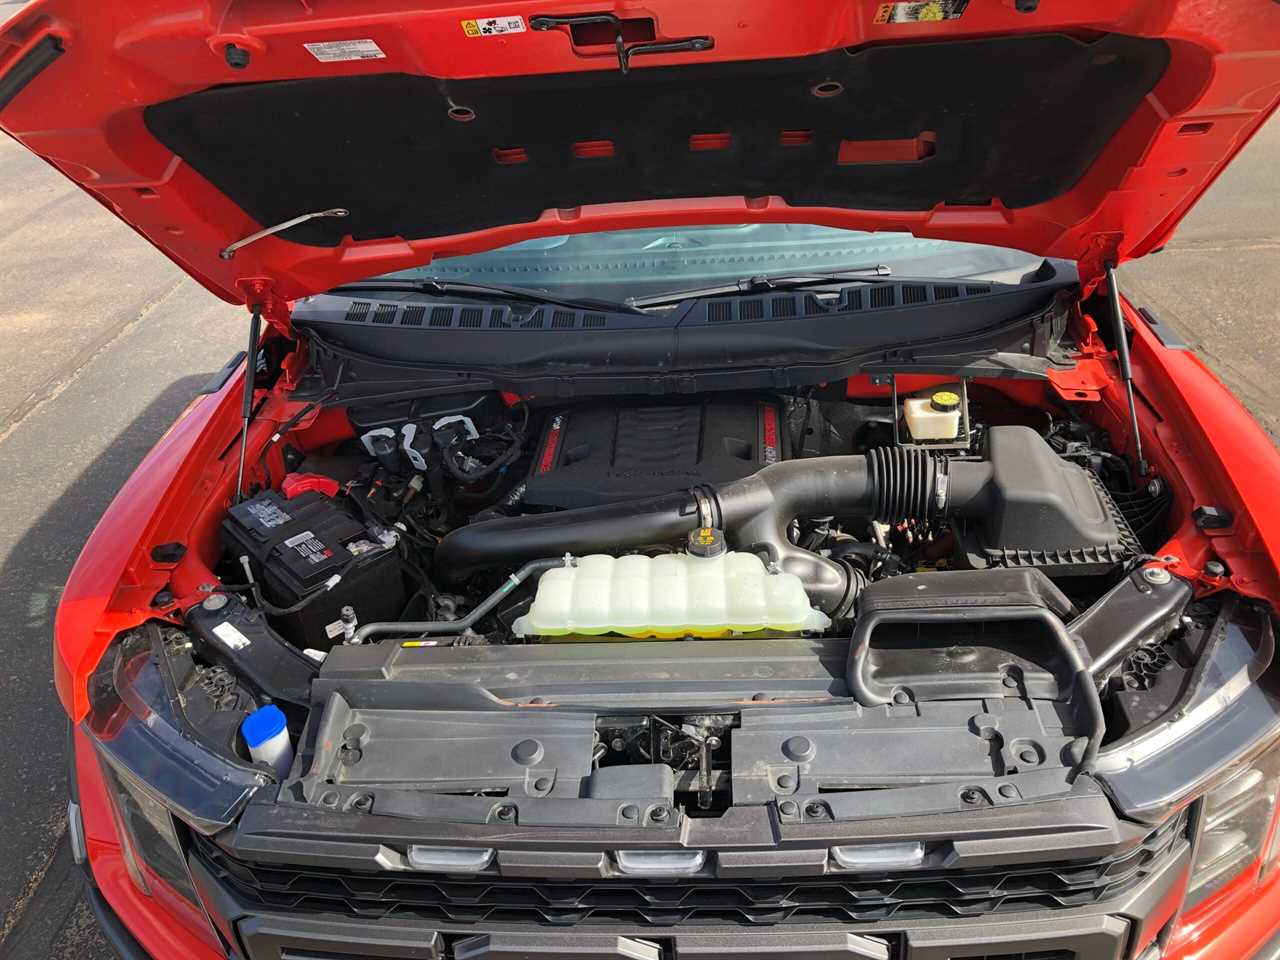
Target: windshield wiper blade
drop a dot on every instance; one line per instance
(460, 288)
(763, 284)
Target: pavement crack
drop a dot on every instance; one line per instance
(57, 383)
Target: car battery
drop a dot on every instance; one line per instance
(296, 545)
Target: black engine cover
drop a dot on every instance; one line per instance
(605, 453)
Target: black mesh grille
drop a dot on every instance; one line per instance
(751, 309)
(835, 899)
(592, 321)
(563, 320)
(358, 312)
(914, 293)
(386, 313)
(441, 317)
(471, 317)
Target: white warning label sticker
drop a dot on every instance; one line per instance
(229, 635)
(492, 26)
(309, 547)
(337, 51)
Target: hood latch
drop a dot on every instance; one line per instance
(625, 51)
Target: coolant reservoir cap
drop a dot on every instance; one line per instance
(706, 542)
(944, 401)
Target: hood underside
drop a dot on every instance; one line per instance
(1083, 133)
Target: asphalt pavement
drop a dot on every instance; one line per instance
(103, 341)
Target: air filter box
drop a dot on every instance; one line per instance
(295, 546)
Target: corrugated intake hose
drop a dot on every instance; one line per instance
(886, 485)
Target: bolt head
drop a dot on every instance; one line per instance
(1029, 756)
(506, 813)
(630, 812)
(788, 808)
(1157, 576)
(786, 782)
(901, 697)
(815, 809)
(1007, 790)
(971, 796)
(659, 814)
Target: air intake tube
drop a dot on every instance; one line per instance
(887, 484)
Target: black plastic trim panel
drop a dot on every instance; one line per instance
(1164, 333)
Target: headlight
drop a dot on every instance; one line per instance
(136, 723)
(1236, 824)
(148, 838)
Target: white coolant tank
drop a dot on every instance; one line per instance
(671, 595)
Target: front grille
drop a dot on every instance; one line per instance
(837, 899)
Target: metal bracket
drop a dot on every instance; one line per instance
(625, 52)
(229, 251)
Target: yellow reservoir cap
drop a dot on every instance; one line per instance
(944, 401)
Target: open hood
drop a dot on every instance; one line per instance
(1081, 130)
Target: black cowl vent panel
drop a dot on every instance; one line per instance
(1018, 118)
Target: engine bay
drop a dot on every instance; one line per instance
(720, 517)
(623, 611)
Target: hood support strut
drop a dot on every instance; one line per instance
(250, 382)
(1126, 369)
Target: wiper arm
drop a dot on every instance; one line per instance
(762, 284)
(459, 288)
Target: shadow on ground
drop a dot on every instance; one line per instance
(48, 918)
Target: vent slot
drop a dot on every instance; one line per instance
(855, 299)
(358, 312)
(472, 317)
(442, 316)
(915, 293)
(412, 316)
(976, 291)
(783, 307)
(883, 296)
(531, 322)
(498, 319)
(946, 291)
(386, 313)
(751, 309)
(563, 320)
(593, 321)
(719, 311)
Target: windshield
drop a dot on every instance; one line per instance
(632, 263)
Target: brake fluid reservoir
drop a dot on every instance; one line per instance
(935, 417)
(670, 595)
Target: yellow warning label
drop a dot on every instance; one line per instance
(493, 26)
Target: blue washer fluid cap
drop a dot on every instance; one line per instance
(261, 725)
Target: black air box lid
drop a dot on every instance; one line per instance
(606, 453)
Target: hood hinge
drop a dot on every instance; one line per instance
(1103, 248)
(260, 292)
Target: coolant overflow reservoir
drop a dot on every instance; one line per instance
(671, 595)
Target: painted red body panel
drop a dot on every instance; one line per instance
(85, 119)
(84, 114)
